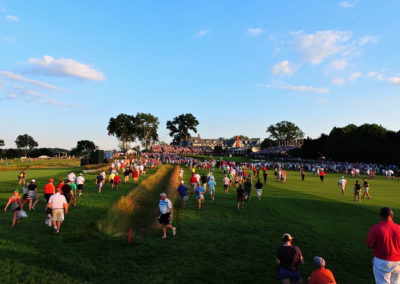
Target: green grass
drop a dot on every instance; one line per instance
(219, 244)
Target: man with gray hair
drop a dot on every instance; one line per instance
(321, 275)
(384, 239)
(165, 216)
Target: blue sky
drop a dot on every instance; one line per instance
(66, 67)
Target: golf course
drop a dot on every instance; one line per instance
(219, 244)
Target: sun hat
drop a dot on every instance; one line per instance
(287, 237)
(163, 194)
(319, 261)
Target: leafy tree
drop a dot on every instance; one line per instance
(83, 147)
(1, 143)
(267, 143)
(146, 126)
(313, 148)
(241, 137)
(26, 143)
(285, 131)
(180, 126)
(122, 127)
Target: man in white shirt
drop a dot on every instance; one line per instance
(165, 217)
(57, 203)
(226, 183)
(197, 177)
(343, 184)
(80, 181)
(71, 176)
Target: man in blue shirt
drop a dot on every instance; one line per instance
(183, 190)
(211, 186)
(200, 195)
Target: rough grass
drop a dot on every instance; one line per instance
(219, 244)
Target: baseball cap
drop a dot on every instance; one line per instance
(182, 181)
(163, 194)
(319, 261)
(17, 190)
(287, 237)
(51, 180)
(33, 180)
(342, 176)
(80, 174)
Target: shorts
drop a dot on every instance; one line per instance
(111, 181)
(366, 189)
(212, 191)
(57, 215)
(200, 197)
(47, 196)
(80, 186)
(259, 192)
(185, 198)
(357, 192)
(164, 218)
(32, 195)
(240, 198)
(226, 186)
(68, 198)
(16, 209)
(287, 274)
(100, 185)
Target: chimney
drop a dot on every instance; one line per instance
(199, 135)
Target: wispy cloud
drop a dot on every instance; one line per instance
(12, 18)
(255, 31)
(15, 77)
(65, 67)
(355, 76)
(394, 80)
(322, 44)
(339, 64)
(201, 33)
(294, 88)
(368, 39)
(283, 68)
(346, 4)
(338, 81)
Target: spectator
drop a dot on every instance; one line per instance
(58, 204)
(117, 180)
(288, 258)
(165, 215)
(384, 239)
(16, 206)
(183, 193)
(321, 275)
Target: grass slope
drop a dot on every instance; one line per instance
(217, 245)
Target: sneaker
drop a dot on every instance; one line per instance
(164, 237)
(174, 231)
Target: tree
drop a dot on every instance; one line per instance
(241, 137)
(122, 127)
(1, 143)
(285, 131)
(26, 143)
(146, 126)
(83, 147)
(267, 143)
(180, 126)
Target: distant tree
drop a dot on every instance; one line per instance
(218, 150)
(285, 131)
(180, 126)
(26, 143)
(313, 148)
(1, 143)
(241, 137)
(146, 126)
(267, 143)
(83, 147)
(122, 127)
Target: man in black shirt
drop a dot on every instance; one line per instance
(240, 196)
(288, 258)
(357, 191)
(204, 181)
(67, 191)
(259, 187)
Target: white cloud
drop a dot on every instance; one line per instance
(372, 74)
(12, 18)
(201, 33)
(305, 89)
(339, 64)
(394, 80)
(322, 44)
(346, 4)
(255, 31)
(368, 39)
(65, 67)
(19, 78)
(338, 81)
(283, 68)
(355, 76)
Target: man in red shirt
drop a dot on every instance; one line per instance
(193, 182)
(117, 180)
(384, 238)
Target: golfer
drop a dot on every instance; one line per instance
(165, 215)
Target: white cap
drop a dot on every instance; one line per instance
(33, 180)
(163, 194)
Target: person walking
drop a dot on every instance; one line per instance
(165, 216)
(247, 189)
(183, 193)
(322, 175)
(321, 275)
(211, 186)
(22, 177)
(357, 191)
(16, 206)
(288, 259)
(302, 173)
(59, 205)
(226, 183)
(200, 195)
(32, 195)
(99, 182)
(384, 239)
(259, 187)
(366, 189)
(80, 181)
(240, 196)
(49, 190)
(343, 184)
(117, 180)
(67, 191)
(265, 175)
(193, 182)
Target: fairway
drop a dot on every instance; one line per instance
(219, 244)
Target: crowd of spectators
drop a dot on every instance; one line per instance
(181, 150)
